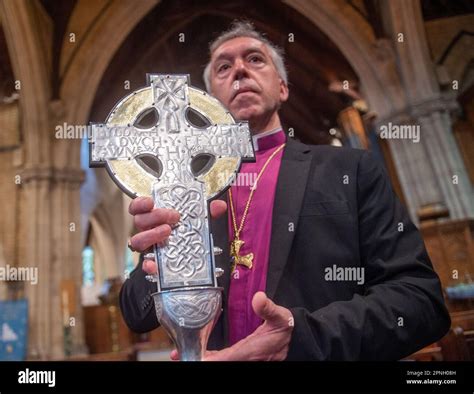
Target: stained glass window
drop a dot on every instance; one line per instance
(88, 276)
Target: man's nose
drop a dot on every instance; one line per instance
(240, 70)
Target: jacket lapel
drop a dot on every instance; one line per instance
(290, 190)
(220, 234)
(289, 195)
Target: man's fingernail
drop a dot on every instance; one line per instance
(175, 225)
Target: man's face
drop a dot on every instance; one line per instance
(245, 80)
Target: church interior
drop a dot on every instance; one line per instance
(358, 69)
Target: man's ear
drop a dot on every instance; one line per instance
(284, 91)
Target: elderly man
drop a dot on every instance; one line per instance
(333, 268)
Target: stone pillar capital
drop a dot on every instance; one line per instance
(73, 176)
(413, 112)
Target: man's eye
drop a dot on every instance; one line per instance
(255, 59)
(223, 67)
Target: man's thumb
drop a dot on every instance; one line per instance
(218, 208)
(264, 307)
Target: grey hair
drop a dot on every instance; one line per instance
(246, 29)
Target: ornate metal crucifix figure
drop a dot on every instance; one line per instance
(159, 160)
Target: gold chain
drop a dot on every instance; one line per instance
(247, 206)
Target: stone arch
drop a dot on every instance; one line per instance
(460, 61)
(26, 38)
(371, 58)
(85, 70)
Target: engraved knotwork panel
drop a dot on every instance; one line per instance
(192, 309)
(183, 260)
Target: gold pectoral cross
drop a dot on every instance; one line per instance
(246, 260)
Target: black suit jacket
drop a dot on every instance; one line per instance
(333, 206)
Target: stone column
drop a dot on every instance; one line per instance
(447, 163)
(420, 187)
(52, 219)
(10, 149)
(43, 336)
(67, 247)
(431, 171)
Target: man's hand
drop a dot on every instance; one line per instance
(155, 225)
(269, 342)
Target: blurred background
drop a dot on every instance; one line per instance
(356, 68)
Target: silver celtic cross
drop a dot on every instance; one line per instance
(188, 298)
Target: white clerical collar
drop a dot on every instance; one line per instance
(256, 137)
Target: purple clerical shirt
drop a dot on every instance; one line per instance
(256, 232)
